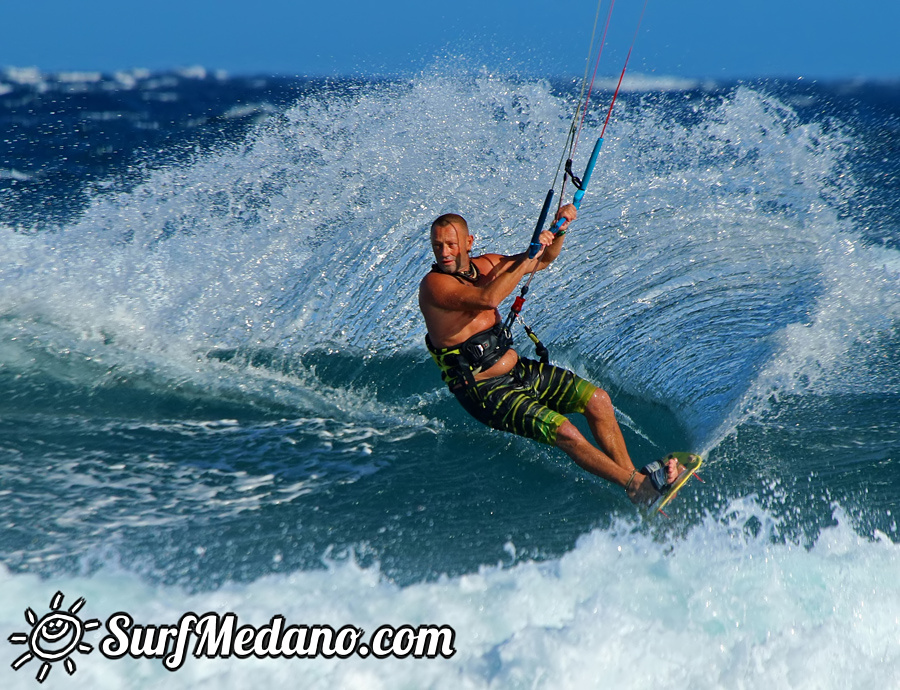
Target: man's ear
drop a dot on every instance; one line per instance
(469, 243)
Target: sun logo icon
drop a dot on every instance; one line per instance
(54, 637)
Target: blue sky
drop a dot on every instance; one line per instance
(689, 38)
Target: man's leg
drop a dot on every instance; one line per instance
(601, 418)
(612, 462)
(506, 404)
(587, 456)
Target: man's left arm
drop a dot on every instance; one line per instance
(553, 243)
(552, 246)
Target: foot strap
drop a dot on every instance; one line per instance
(657, 473)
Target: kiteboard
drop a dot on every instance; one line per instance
(691, 464)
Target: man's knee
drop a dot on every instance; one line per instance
(568, 436)
(600, 404)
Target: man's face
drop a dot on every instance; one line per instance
(451, 246)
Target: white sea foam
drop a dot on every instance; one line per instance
(635, 81)
(13, 174)
(715, 608)
(78, 77)
(25, 75)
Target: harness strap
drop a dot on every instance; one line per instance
(467, 277)
(460, 363)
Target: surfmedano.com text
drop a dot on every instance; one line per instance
(220, 636)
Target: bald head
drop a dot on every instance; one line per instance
(450, 219)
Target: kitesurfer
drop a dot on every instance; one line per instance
(459, 299)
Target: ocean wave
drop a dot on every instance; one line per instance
(720, 605)
(714, 234)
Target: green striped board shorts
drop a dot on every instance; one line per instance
(529, 401)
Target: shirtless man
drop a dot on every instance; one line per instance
(459, 299)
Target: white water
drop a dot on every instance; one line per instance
(709, 267)
(714, 608)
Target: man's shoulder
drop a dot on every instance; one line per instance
(496, 261)
(487, 262)
(435, 281)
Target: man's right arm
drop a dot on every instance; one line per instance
(445, 292)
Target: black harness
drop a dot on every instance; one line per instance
(460, 363)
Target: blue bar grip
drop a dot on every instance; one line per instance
(535, 245)
(585, 180)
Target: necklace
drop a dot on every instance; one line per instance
(470, 275)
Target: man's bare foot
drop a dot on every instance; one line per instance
(673, 469)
